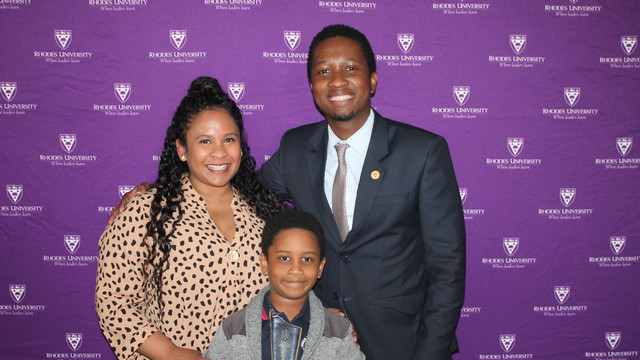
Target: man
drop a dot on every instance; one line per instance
(396, 253)
(399, 272)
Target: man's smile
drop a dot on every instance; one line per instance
(340, 97)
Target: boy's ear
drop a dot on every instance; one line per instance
(264, 264)
(321, 267)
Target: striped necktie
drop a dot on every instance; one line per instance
(338, 202)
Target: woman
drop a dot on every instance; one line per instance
(184, 255)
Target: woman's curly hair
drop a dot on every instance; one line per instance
(205, 93)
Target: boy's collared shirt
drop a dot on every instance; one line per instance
(301, 320)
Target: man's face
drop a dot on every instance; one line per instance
(340, 80)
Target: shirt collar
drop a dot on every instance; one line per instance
(190, 193)
(359, 141)
(305, 313)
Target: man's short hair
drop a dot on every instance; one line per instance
(291, 219)
(332, 31)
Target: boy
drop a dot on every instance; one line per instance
(286, 321)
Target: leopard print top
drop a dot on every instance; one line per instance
(208, 278)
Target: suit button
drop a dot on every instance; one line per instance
(344, 259)
(336, 297)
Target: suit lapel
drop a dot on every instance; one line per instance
(368, 186)
(316, 162)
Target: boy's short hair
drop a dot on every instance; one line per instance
(291, 219)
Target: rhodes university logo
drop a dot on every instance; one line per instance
(623, 145)
(72, 243)
(507, 342)
(236, 90)
(571, 95)
(463, 195)
(17, 292)
(515, 145)
(567, 195)
(292, 39)
(612, 339)
(461, 94)
(629, 44)
(122, 91)
(510, 245)
(9, 90)
(14, 193)
(405, 42)
(63, 38)
(68, 142)
(74, 341)
(178, 38)
(561, 293)
(517, 43)
(123, 189)
(617, 244)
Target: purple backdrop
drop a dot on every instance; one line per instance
(537, 99)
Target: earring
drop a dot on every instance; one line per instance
(183, 158)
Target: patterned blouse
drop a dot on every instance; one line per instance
(208, 278)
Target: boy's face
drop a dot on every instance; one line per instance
(293, 265)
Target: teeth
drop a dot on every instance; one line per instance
(217, 167)
(341, 98)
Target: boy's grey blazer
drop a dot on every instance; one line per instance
(240, 335)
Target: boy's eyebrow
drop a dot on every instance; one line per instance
(304, 253)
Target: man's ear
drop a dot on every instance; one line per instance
(374, 82)
(264, 264)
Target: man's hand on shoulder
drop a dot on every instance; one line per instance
(125, 199)
(353, 329)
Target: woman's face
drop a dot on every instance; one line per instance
(212, 150)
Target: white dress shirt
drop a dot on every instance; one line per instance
(354, 156)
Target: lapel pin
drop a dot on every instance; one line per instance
(375, 174)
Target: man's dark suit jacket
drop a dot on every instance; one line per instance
(400, 274)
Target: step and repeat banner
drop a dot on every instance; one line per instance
(539, 101)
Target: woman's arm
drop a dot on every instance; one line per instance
(159, 347)
(124, 318)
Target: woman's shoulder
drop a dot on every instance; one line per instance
(141, 201)
(136, 210)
